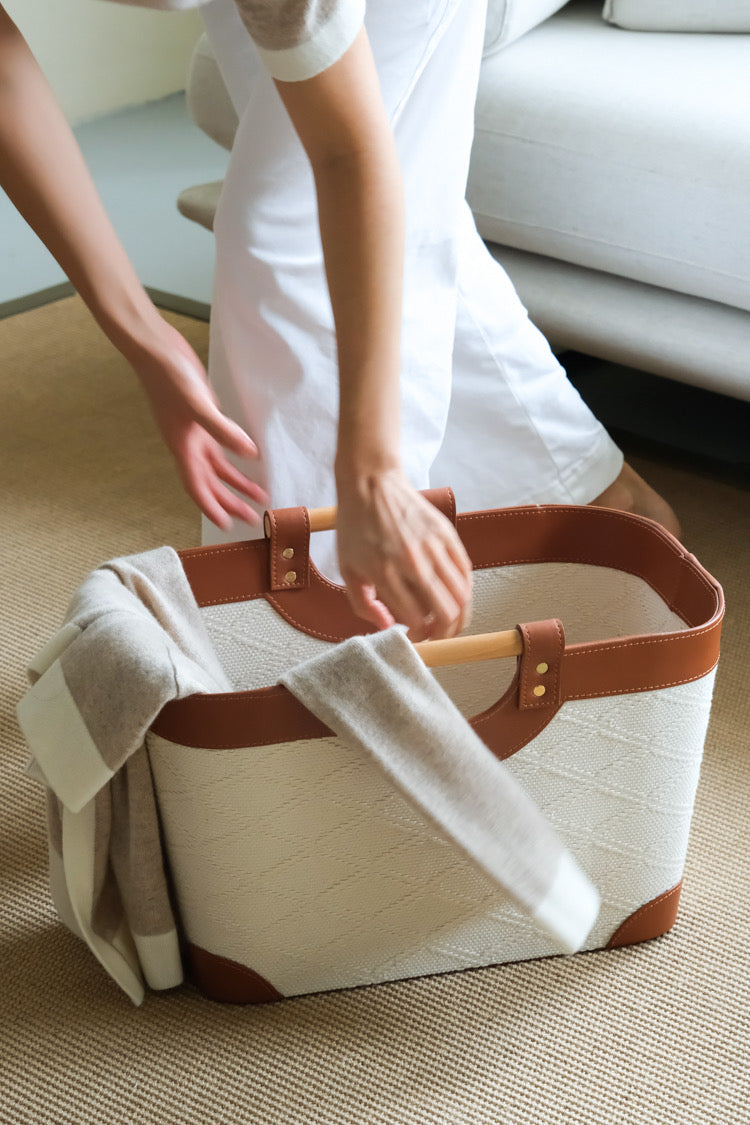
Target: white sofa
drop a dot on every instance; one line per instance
(610, 176)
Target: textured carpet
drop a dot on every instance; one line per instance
(657, 1033)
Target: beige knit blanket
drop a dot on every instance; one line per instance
(382, 701)
(132, 640)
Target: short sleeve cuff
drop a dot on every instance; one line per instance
(323, 49)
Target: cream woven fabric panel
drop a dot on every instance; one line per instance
(301, 861)
(254, 644)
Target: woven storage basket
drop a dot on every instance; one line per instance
(296, 866)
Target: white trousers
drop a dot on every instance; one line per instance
(486, 407)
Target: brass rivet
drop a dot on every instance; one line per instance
(290, 576)
(288, 552)
(542, 668)
(540, 689)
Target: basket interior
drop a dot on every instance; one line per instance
(255, 645)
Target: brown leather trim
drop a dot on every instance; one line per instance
(236, 572)
(561, 533)
(444, 500)
(218, 978)
(649, 921)
(288, 533)
(598, 536)
(644, 663)
(322, 610)
(507, 727)
(231, 572)
(230, 720)
(234, 720)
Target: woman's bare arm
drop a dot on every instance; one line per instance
(44, 174)
(399, 557)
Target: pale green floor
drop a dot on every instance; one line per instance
(141, 159)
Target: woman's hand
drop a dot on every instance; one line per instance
(193, 427)
(401, 559)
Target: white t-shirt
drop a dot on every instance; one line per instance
(296, 39)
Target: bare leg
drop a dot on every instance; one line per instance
(630, 493)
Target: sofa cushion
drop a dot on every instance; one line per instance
(624, 152)
(509, 19)
(208, 100)
(679, 15)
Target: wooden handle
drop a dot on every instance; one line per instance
(466, 650)
(322, 519)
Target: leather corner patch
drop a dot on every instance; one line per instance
(651, 920)
(227, 981)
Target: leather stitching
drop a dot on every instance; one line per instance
(222, 549)
(273, 544)
(635, 690)
(654, 639)
(556, 684)
(235, 598)
(304, 628)
(305, 569)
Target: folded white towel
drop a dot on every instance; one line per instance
(376, 694)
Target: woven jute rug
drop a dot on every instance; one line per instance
(657, 1033)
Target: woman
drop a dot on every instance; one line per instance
(485, 407)
(367, 353)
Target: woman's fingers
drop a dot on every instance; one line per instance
(392, 593)
(392, 539)
(198, 487)
(233, 476)
(417, 599)
(441, 596)
(204, 471)
(453, 573)
(437, 572)
(224, 431)
(366, 604)
(233, 504)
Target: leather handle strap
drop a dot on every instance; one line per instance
(288, 532)
(540, 673)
